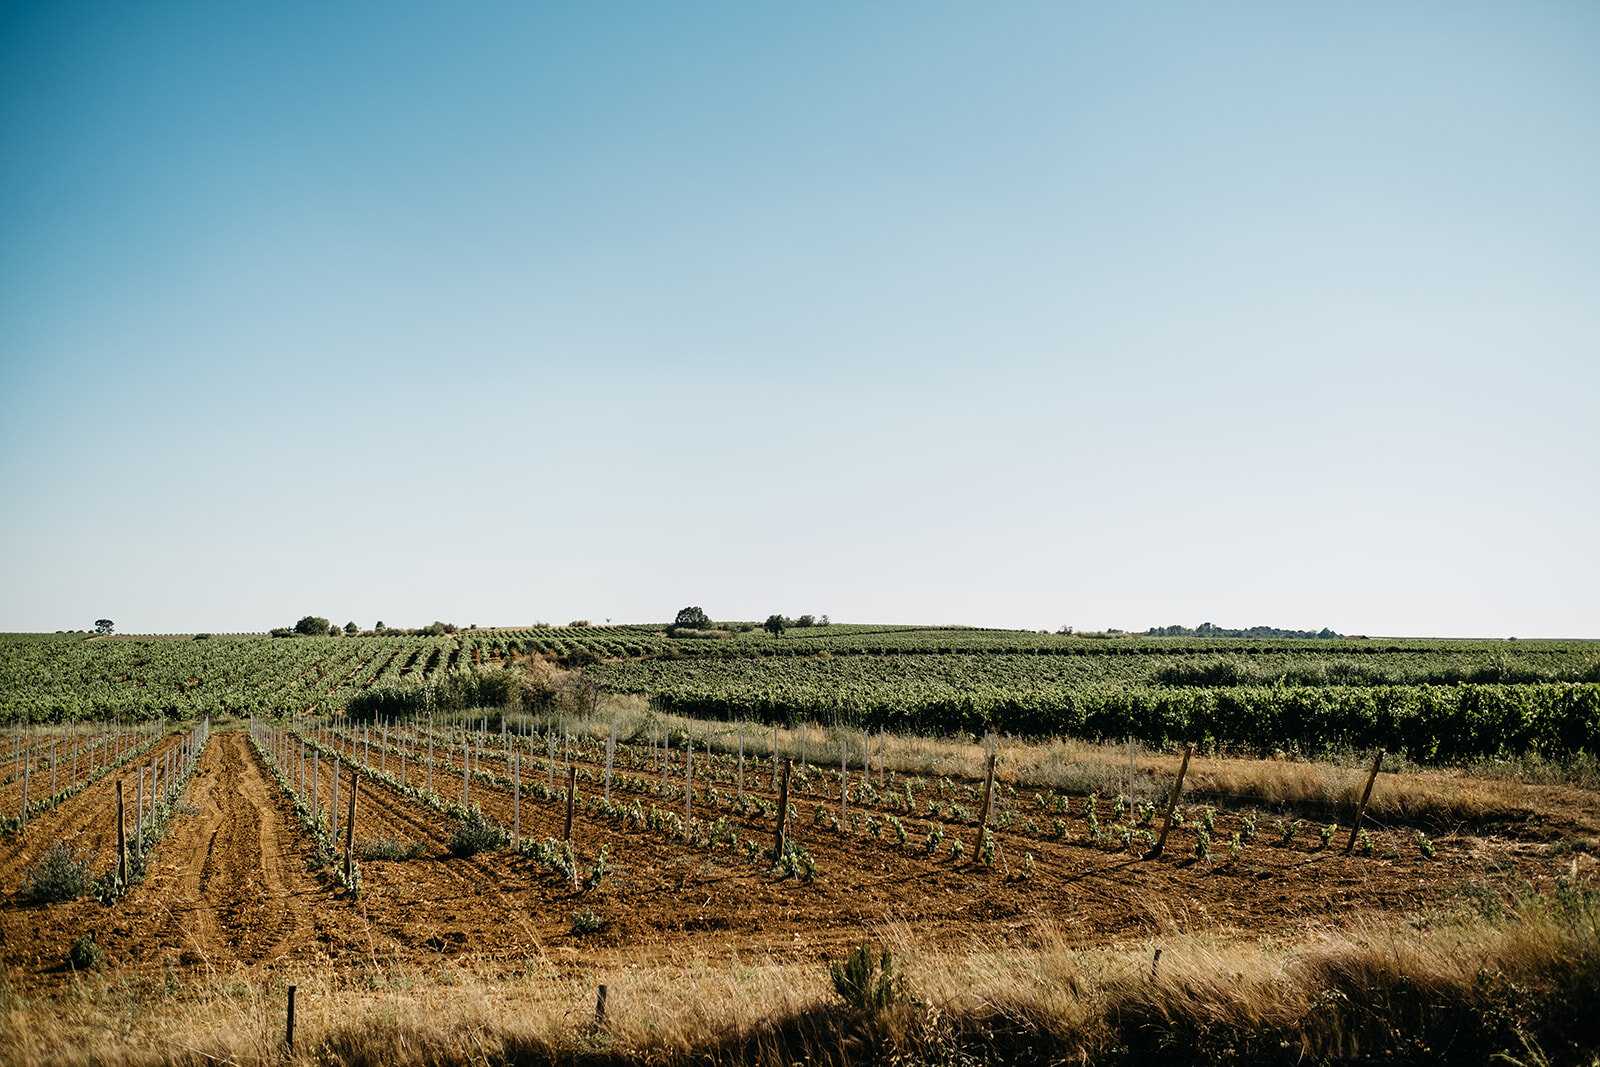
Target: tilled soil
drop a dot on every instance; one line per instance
(234, 885)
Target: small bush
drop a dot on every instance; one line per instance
(86, 953)
(587, 922)
(63, 874)
(472, 834)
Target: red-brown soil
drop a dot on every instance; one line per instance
(232, 885)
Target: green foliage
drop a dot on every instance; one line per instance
(1425, 845)
(866, 982)
(692, 618)
(472, 833)
(86, 953)
(312, 626)
(602, 868)
(587, 922)
(63, 874)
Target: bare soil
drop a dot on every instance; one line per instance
(234, 885)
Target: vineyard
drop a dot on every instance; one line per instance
(1434, 701)
(552, 806)
(467, 836)
(312, 843)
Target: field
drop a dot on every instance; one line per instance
(468, 931)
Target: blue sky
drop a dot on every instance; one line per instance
(1026, 315)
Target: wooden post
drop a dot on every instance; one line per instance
(1130, 769)
(430, 755)
(741, 762)
(600, 1008)
(333, 812)
(1177, 790)
(516, 799)
(1366, 794)
(844, 786)
(572, 793)
(666, 757)
(802, 744)
(316, 784)
(983, 812)
(288, 1037)
(52, 769)
(350, 830)
(27, 765)
(466, 769)
(138, 817)
(783, 811)
(550, 758)
(688, 788)
(122, 840)
(611, 747)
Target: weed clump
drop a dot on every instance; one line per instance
(472, 833)
(868, 983)
(63, 874)
(587, 922)
(390, 848)
(86, 953)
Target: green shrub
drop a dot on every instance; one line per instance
(472, 833)
(86, 953)
(587, 922)
(63, 874)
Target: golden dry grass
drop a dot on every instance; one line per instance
(1330, 787)
(1449, 991)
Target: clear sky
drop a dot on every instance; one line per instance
(1017, 314)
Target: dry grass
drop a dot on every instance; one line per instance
(1327, 788)
(1452, 991)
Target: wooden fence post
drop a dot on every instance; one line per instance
(350, 830)
(1177, 790)
(333, 812)
(1361, 809)
(844, 786)
(122, 839)
(288, 1037)
(688, 788)
(741, 762)
(983, 812)
(138, 817)
(783, 811)
(572, 793)
(600, 1007)
(516, 799)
